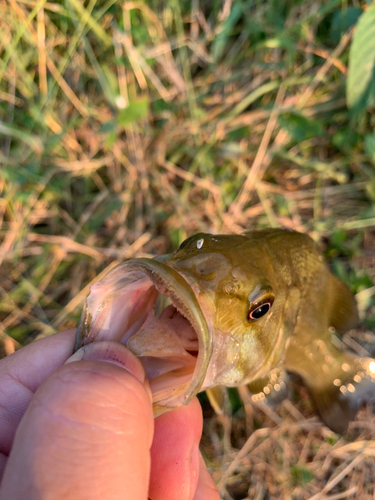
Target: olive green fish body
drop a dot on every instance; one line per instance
(243, 309)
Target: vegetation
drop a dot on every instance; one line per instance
(126, 126)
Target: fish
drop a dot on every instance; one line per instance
(233, 310)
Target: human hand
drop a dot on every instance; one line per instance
(85, 429)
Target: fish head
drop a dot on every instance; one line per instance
(209, 314)
(242, 301)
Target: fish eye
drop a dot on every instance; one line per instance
(259, 309)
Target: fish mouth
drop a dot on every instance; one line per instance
(149, 307)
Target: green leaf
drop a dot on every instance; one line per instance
(24, 136)
(342, 20)
(361, 70)
(346, 139)
(110, 140)
(137, 110)
(301, 475)
(282, 41)
(370, 145)
(299, 127)
(221, 41)
(234, 399)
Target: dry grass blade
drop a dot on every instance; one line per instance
(335, 480)
(66, 245)
(324, 69)
(338, 496)
(259, 161)
(163, 49)
(7, 345)
(250, 443)
(42, 53)
(79, 298)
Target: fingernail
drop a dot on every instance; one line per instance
(113, 353)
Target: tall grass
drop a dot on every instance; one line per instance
(126, 126)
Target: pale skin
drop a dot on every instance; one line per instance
(81, 427)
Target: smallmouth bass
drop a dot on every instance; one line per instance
(232, 310)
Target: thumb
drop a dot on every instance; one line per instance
(87, 432)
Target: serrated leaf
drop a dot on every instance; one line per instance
(361, 61)
(137, 110)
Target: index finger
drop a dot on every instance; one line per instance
(21, 374)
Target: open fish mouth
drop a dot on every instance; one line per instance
(149, 307)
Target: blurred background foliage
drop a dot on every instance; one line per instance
(127, 126)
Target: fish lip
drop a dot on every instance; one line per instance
(183, 298)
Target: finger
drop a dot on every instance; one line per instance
(21, 373)
(206, 489)
(35, 362)
(175, 453)
(86, 434)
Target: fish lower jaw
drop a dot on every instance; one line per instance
(148, 317)
(230, 374)
(168, 349)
